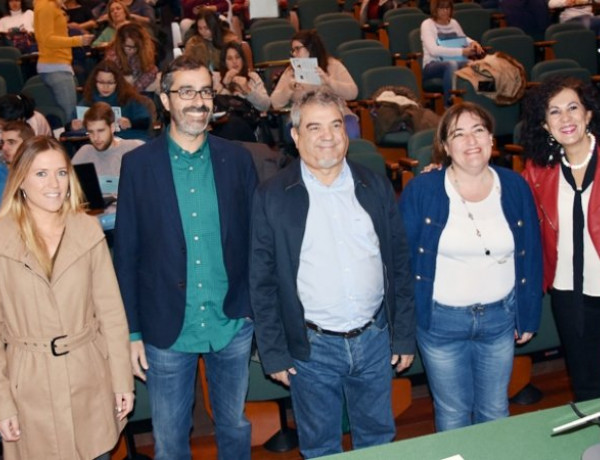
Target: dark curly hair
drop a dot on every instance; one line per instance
(126, 92)
(311, 40)
(534, 137)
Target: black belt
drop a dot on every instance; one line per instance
(347, 335)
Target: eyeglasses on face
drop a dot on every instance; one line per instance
(295, 49)
(190, 93)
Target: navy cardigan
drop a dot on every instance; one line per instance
(424, 206)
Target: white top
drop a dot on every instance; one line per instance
(340, 274)
(17, 19)
(563, 278)
(575, 12)
(464, 275)
(39, 124)
(429, 35)
(257, 96)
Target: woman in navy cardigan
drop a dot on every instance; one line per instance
(476, 257)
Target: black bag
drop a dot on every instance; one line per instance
(235, 105)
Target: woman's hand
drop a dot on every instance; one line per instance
(87, 39)
(124, 123)
(124, 404)
(526, 337)
(76, 124)
(431, 167)
(227, 79)
(241, 83)
(9, 429)
(324, 76)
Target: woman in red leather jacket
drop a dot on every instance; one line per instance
(560, 133)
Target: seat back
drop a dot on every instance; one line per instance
(460, 6)
(575, 72)
(360, 60)
(365, 153)
(420, 148)
(10, 52)
(332, 16)
(358, 44)
(400, 11)
(45, 102)
(276, 55)
(11, 71)
(474, 21)
(375, 78)
(267, 34)
(550, 65)
(579, 45)
(431, 85)
(397, 28)
(308, 10)
(500, 32)
(520, 47)
(266, 22)
(561, 27)
(334, 32)
(2, 86)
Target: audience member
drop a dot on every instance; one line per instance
(582, 14)
(57, 280)
(118, 14)
(12, 135)
(206, 38)
(133, 52)
(476, 256)
(560, 132)
(106, 84)
(105, 149)
(80, 16)
(241, 93)
(439, 59)
(22, 107)
(330, 284)
(333, 74)
(55, 56)
(17, 20)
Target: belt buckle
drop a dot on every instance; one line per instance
(53, 346)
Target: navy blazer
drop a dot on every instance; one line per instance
(150, 250)
(278, 223)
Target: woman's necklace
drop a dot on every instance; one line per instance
(486, 249)
(587, 159)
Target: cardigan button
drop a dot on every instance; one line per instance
(427, 220)
(418, 277)
(522, 253)
(519, 223)
(421, 250)
(523, 280)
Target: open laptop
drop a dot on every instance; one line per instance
(88, 178)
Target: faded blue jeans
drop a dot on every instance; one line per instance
(171, 381)
(62, 85)
(356, 371)
(444, 70)
(468, 353)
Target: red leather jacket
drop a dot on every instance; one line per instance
(544, 185)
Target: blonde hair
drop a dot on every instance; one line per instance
(14, 203)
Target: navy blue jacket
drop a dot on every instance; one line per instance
(278, 223)
(425, 207)
(150, 251)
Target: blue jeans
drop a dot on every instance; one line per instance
(444, 70)
(356, 370)
(62, 85)
(171, 380)
(468, 353)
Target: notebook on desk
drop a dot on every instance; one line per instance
(88, 178)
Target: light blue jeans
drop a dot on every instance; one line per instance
(444, 70)
(171, 381)
(468, 353)
(63, 88)
(356, 371)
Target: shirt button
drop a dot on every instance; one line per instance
(176, 157)
(192, 190)
(202, 307)
(191, 168)
(203, 325)
(200, 285)
(194, 214)
(198, 262)
(196, 238)
(202, 157)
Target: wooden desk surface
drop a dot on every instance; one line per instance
(521, 437)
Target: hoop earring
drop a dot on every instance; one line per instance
(24, 194)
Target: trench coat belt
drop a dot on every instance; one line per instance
(57, 346)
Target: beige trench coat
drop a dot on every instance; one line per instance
(65, 404)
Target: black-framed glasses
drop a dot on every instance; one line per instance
(295, 49)
(188, 94)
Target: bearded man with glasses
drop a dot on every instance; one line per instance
(181, 255)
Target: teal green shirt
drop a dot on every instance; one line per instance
(205, 326)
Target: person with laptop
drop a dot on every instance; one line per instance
(12, 135)
(446, 48)
(105, 150)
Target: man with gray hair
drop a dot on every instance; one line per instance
(330, 284)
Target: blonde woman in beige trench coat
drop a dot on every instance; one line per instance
(65, 379)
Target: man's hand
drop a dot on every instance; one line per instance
(138, 359)
(284, 376)
(402, 362)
